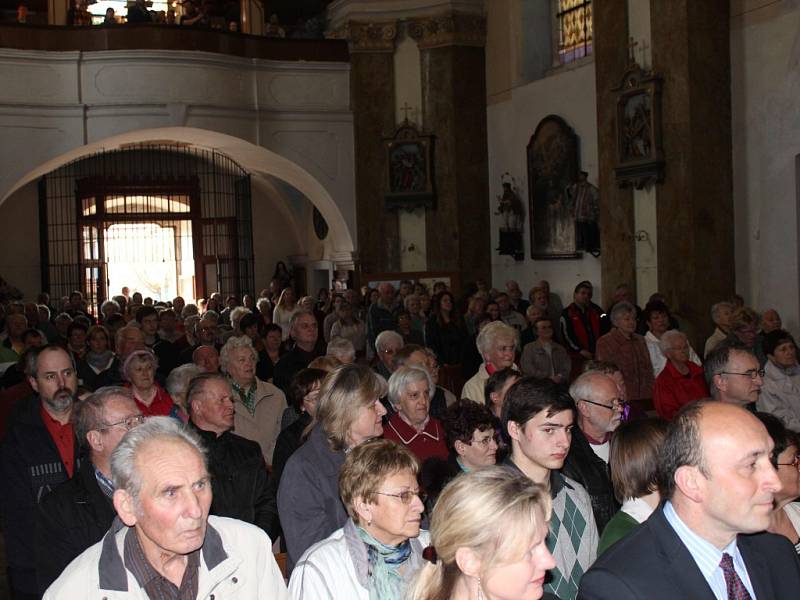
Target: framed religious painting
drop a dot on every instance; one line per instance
(409, 168)
(552, 169)
(640, 159)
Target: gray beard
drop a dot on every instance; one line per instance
(60, 402)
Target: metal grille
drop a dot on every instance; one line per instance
(163, 220)
(575, 29)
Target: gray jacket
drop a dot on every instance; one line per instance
(536, 362)
(308, 496)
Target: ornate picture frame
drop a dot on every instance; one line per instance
(409, 168)
(640, 157)
(553, 165)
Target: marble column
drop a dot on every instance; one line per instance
(372, 97)
(691, 50)
(694, 206)
(453, 69)
(616, 205)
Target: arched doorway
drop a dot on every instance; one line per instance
(160, 219)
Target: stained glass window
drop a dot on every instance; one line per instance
(574, 29)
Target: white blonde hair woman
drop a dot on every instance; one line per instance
(488, 534)
(379, 550)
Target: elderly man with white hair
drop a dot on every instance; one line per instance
(386, 345)
(165, 544)
(681, 381)
(628, 350)
(497, 344)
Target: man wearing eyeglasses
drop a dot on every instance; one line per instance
(599, 412)
(734, 375)
(79, 512)
(38, 453)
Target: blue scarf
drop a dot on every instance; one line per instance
(385, 582)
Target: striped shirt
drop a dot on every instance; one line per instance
(707, 556)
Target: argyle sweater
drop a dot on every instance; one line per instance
(573, 534)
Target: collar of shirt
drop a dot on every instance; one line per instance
(419, 429)
(707, 556)
(105, 484)
(151, 580)
(637, 508)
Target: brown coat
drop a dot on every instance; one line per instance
(632, 358)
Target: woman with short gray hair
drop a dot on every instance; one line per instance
(177, 384)
(139, 371)
(497, 344)
(681, 381)
(410, 391)
(628, 350)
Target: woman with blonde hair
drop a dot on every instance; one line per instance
(349, 412)
(379, 550)
(488, 540)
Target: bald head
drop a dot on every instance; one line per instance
(716, 470)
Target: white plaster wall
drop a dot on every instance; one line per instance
(19, 240)
(568, 92)
(765, 80)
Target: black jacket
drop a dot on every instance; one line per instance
(30, 468)
(71, 518)
(290, 363)
(289, 440)
(652, 562)
(239, 481)
(592, 472)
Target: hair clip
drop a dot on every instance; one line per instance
(429, 554)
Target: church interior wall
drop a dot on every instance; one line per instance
(568, 93)
(20, 262)
(765, 80)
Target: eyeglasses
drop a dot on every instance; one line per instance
(127, 423)
(752, 373)
(407, 496)
(795, 463)
(616, 404)
(485, 441)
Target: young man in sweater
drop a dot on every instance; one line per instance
(539, 419)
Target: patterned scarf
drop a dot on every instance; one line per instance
(385, 582)
(246, 396)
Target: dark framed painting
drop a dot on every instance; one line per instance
(552, 167)
(640, 160)
(409, 168)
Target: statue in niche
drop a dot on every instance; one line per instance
(512, 212)
(584, 199)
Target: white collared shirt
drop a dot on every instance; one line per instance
(707, 556)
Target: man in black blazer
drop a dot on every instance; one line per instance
(718, 485)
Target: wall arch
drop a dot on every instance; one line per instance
(260, 162)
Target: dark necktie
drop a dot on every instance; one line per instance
(736, 589)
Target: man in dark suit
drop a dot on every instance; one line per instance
(718, 483)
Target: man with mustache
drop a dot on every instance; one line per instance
(718, 481)
(39, 452)
(238, 472)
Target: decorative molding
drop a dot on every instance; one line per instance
(448, 29)
(342, 11)
(368, 37)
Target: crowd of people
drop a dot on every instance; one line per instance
(397, 442)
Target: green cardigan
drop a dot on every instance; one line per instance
(620, 525)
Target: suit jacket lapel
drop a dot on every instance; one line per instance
(757, 568)
(687, 575)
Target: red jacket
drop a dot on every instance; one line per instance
(673, 390)
(424, 444)
(581, 328)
